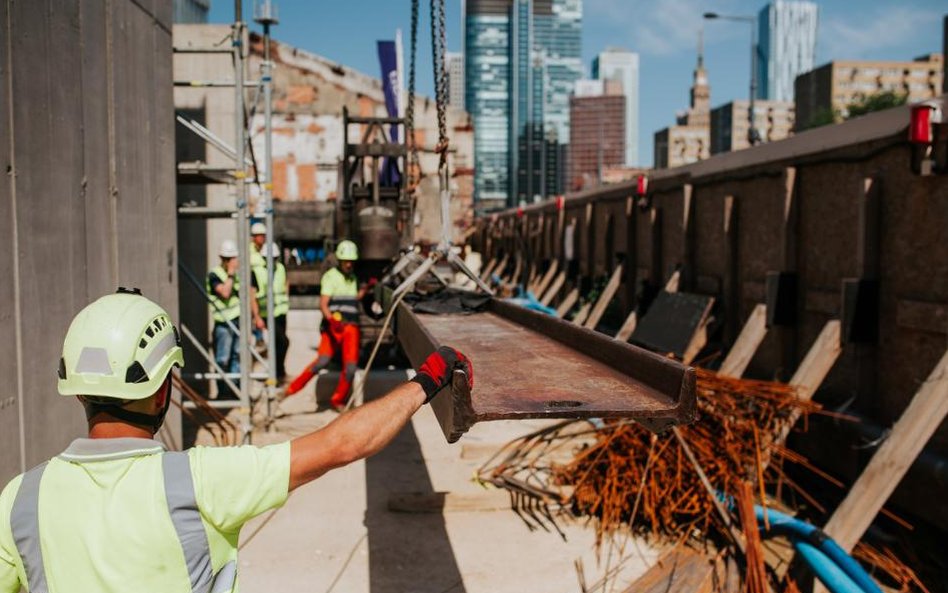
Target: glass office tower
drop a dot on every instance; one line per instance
(786, 46)
(525, 54)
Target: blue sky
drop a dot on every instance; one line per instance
(663, 32)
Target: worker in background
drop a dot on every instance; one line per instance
(258, 238)
(223, 291)
(281, 303)
(339, 302)
(258, 259)
(115, 512)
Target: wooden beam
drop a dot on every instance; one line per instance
(916, 426)
(750, 338)
(485, 274)
(605, 298)
(555, 289)
(680, 570)
(531, 277)
(818, 361)
(582, 314)
(516, 272)
(673, 282)
(567, 303)
(628, 326)
(500, 267)
(547, 278)
(700, 336)
(813, 370)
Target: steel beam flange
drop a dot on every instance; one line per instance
(530, 365)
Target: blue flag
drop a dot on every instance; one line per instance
(390, 87)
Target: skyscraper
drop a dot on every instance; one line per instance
(455, 79)
(522, 58)
(623, 66)
(487, 96)
(786, 46)
(190, 11)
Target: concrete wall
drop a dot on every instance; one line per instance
(819, 178)
(86, 141)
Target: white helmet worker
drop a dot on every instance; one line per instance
(258, 228)
(228, 248)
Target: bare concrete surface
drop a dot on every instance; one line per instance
(337, 534)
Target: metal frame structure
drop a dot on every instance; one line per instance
(378, 218)
(264, 14)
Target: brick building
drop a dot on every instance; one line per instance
(830, 89)
(597, 132)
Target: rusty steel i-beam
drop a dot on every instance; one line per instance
(530, 365)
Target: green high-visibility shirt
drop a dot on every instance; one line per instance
(104, 522)
(342, 290)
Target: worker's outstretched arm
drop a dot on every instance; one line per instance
(367, 429)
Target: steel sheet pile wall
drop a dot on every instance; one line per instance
(87, 204)
(798, 205)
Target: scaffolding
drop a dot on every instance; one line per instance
(245, 170)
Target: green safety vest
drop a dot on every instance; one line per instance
(256, 260)
(342, 291)
(281, 295)
(116, 515)
(223, 311)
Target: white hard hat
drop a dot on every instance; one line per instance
(228, 248)
(258, 228)
(271, 249)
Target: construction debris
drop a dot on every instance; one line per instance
(631, 481)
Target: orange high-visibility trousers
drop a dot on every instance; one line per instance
(345, 343)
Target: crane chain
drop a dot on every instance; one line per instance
(438, 55)
(414, 165)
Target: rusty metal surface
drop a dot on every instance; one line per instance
(529, 365)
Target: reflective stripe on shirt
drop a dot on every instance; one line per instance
(24, 522)
(342, 291)
(182, 507)
(223, 310)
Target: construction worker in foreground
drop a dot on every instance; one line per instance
(281, 303)
(115, 512)
(223, 291)
(339, 332)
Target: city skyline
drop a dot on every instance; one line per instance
(664, 34)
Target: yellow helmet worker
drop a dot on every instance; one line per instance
(116, 512)
(339, 296)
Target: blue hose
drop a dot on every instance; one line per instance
(529, 300)
(806, 536)
(831, 575)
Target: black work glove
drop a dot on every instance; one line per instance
(437, 370)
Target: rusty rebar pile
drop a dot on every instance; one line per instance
(627, 469)
(625, 477)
